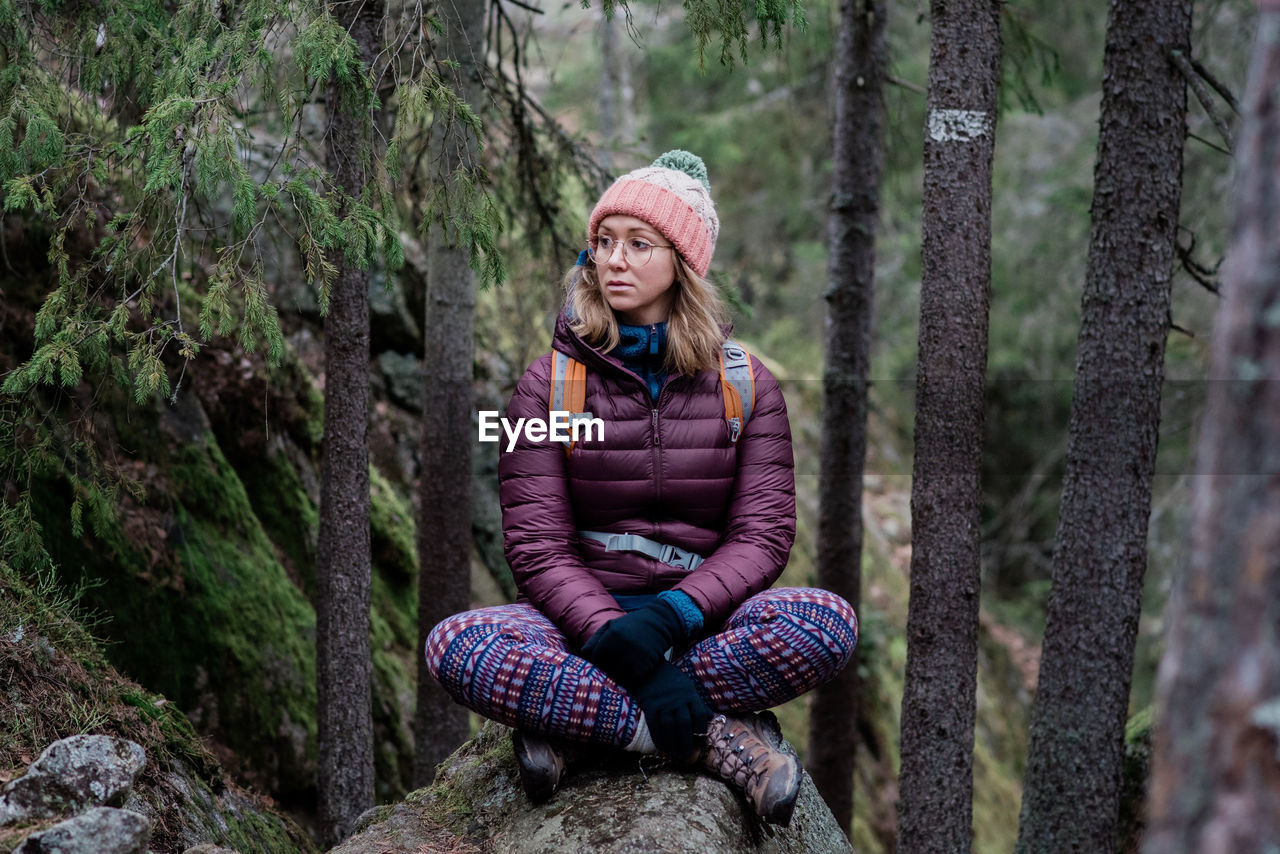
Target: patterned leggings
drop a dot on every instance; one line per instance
(511, 664)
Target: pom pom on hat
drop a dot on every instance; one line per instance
(686, 162)
(674, 196)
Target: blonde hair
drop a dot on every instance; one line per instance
(694, 332)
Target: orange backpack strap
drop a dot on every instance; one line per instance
(568, 389)
(738, 384)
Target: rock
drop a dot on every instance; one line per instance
(209, 848)
(190, 815)
(403, 375)
(71, 774)
(101, 830)
(391, 325)
(606, 805)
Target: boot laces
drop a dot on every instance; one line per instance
(738, 741)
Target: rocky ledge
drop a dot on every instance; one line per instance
(609, 803)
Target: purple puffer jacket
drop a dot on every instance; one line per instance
(667, 472)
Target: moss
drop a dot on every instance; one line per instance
(1000, 748)
(394, 626)
(391, 531)
(51, 694)
(1133, 780)
(465, 777)
(254, 614)
(286, 512)
(393, 698)
(12, 835)
(207, 589)
(200, 571)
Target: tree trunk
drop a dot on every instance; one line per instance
(444, 527)
(1215, 782)
(1071, 799)
(938, 704)
(608, 94)
(857, 153)
(345, 777)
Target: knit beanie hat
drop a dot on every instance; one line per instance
(674, 196)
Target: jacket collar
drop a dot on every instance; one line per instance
(570, 343)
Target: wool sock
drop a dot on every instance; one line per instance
(642, 742)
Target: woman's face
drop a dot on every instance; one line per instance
(640, 293)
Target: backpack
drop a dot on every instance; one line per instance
(737, 384)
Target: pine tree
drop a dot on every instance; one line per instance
(858, 155)
(939, 703)
(444, 526)
(1074, 764)
(119, 147)
(343, 565)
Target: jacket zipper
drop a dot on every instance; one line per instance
(657, 453)
(657, 441)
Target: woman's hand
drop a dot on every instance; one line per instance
(630, 648)
(675, 712)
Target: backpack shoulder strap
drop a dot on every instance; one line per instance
(738, 384)
(568, 388)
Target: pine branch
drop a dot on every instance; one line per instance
(906, 84)
(1216, 84)
(527, 7)
(1196, 83)
(1198, 138)
(1205, 276)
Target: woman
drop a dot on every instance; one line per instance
(667, 640)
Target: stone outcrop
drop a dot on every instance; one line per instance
(101, 830)
(72, 774)
(610, 803)
(56, 678)
(223, 818)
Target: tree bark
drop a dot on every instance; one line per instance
(444, 528)
(344, 711)
(1075, 760)
(939, 702)
(1215, 782)
(608, 94)
(858, 155)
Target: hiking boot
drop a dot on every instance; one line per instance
(746, 753)
(541, 765)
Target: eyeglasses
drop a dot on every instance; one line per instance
(637, 251)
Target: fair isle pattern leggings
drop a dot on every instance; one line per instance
(511, 664)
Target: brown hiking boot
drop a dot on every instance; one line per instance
(541, 765)
(745, 752)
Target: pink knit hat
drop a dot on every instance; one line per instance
(674, 196)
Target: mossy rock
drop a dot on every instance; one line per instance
(215, 566)
(610, 802)
(191, 572)
(60, 684)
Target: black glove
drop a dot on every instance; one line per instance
(629, 648)
(674, 710)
